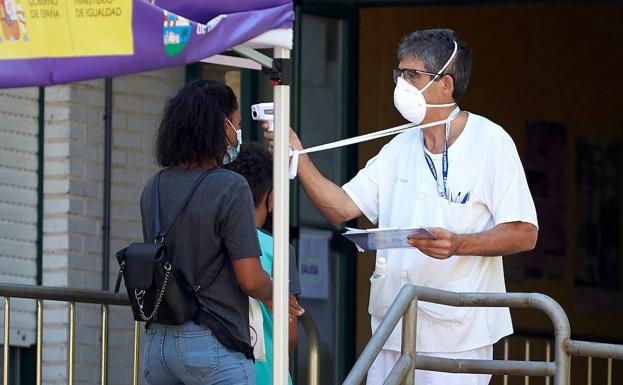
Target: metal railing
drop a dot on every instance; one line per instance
(537, 342)
(405, 307)
(104, 299)
(313, 342)
(71, 296)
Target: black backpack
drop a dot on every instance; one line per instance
(157, 291)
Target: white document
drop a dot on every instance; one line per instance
(256, 330)
(385, 238)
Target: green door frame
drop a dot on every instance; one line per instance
(248, 96)
(346, 280)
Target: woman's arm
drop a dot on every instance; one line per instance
(252, 279)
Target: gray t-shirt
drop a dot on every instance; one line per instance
(218, 225)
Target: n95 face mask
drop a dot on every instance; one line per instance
(410, 101)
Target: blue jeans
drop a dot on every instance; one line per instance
(190, 354)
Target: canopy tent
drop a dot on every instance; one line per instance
(45, 42)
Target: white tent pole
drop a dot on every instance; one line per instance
(281, 227)
(254, 55)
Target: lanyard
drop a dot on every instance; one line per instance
(358, 139)
(442, 189)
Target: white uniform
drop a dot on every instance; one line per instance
(396, 189)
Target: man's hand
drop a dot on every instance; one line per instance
(332, 201)
(504, 239)
(443, 247)
(295, 142)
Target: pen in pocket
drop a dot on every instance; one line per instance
(465, 198)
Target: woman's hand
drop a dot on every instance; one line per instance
(295, 309)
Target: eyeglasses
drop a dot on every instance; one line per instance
(410, 74)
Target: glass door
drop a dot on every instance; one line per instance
(325, 111)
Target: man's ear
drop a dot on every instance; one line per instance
(269, 201)
(447, 85)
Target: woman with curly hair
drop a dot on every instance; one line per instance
(214, 243)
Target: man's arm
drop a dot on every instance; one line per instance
(330, 199)
(503, 239)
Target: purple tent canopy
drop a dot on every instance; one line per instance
(46, 42)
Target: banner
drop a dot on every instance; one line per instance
(46, 42)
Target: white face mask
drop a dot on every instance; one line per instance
(410, 101)
(232, 151)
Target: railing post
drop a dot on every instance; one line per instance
(609, 378)
(380, 336)
(548, 357)
(562, 331)
(38, 378)
(400, 371)
(589, 371)
(5, 347)
(135, 355)
(506, 342)
(526, 380)
(313, 343)
(409, 331)
(563, 367)
(72, 341)
(104, 352)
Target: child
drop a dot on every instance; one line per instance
(256, 165)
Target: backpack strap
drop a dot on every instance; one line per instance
(157, 210)
(197, 287)
(158, 235)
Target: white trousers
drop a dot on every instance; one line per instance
(386, 360)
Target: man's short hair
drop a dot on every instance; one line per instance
(434, 47)
(255, 164)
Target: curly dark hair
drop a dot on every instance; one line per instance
(255, 164)
(192, 128)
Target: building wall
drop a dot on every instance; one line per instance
(73, 196)
(19, 113)
(137, 109)
(531, 63)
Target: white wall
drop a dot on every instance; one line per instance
(19, 113)
(73, 205)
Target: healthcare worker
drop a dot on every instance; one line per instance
(464, 181)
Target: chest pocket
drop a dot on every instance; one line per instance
(455, 217)
(459, 218)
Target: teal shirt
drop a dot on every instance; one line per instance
(264, 370)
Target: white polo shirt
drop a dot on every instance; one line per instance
(397, 189)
